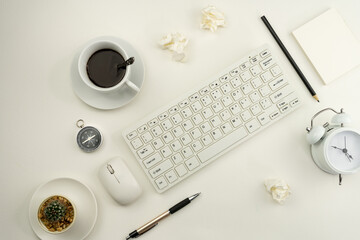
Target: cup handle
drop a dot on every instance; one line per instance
(132, 86)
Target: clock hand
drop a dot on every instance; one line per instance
(337, 148)
(348, 156)
(345, 142)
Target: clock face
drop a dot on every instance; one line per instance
(343, 150)
(89, 139)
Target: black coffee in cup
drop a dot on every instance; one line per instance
(102, 68)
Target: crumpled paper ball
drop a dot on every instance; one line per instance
(176, 43)
(279, 189)
(212, 18)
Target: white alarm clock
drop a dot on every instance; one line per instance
(335, 148)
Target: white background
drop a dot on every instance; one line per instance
(39, 40)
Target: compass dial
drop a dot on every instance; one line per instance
(89, 139)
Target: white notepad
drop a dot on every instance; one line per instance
(330, 45)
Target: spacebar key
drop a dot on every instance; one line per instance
(222, 144)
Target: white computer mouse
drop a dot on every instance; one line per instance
(119, 182)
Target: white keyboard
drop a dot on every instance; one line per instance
(181, 138)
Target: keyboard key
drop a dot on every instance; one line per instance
(207, 112)
(246, 115)
(274, 115)
(136, 143)
(236, 95)
(176, 119)
(166, 151)
(255, 70)
(245, 102)
(161, 182)
(256, 82)
(254, 96)
(187, 152)
(226, 128)
(156, 131)
(142, 129)
(265, 53)
(157, 143)
(265, 103)
(226, 101)
(255, 59)
(177, 158)
(160, 169)
(283, 92)
(187, 125)
(226, 88)
(171, 176)
(214, 84)
(181, 170)
(173, 110)
(205, 127)
(235, 109)
(153, 122)
(253, 125)
(206, 100)
(264, 91)
(245, 65)
(145, 151)
(206, 140)
(284, 108)
(166, 124)
(224, 78)
(216, 134)
(192, 163)
(197, 146)
(275, 71)
(167, 137)
(267, 76)
(216, 107)
(216, 94)
(132, 135)
(205, 90)
(186, 112)
(246, 88)
(263, 118)
(255, 109)
(245, 76)
(235, 82)
(178, 131)
(195, 133)
(146, 137)
(151, 161)
(186, 139)
(197, 119)
(268, 62)
(294, 102)
(215, 121)
(176, 145)
(184, 103)
(235, 122)
(234, 72)
(196, 106)
(194, 97)
(223, 143)
(163, 116)
(225, 115)
(277, 83)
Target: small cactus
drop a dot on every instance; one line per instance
(55, 211)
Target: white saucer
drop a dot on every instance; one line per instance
(118, 99)
(83, 199)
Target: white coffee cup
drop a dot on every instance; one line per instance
(95, 46)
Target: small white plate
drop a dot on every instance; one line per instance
(83, 199)
(118, 99)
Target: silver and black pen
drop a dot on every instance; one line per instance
(152, 223)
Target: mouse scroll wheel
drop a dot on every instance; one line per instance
(111, 170)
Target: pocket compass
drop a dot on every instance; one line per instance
(88, 138)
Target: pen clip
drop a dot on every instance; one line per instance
(148, 229)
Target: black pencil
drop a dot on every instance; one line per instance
(291, 60)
